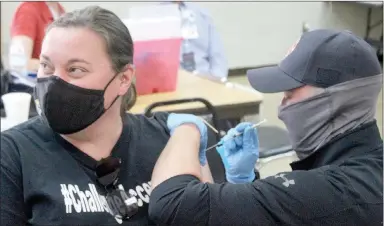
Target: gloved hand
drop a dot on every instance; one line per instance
(240, 154)
(175, 120)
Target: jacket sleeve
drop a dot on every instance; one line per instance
(292, 198)
(11, 188)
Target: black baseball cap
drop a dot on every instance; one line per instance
(320, 58)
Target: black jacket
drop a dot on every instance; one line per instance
(341, 184)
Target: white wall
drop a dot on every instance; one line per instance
(253, 33)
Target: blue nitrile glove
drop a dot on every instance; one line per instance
(239, 155)
(175, 120)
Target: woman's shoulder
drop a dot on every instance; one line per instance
(147, 137)
(21, 141)
(156, 123)
(34, 130)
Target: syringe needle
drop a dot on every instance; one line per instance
(259, 123)
(213, 146)
(220, 143)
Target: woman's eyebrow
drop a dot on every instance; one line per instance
(77, 60)
(45, 57)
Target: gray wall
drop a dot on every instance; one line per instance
(253, 33)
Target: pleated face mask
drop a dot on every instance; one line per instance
(68, 108)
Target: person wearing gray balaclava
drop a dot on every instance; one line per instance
(331, 81)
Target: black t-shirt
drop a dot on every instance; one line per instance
(47, 181)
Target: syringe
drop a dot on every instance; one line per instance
(236, 135)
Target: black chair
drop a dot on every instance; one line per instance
(214, 160)
(211, 109)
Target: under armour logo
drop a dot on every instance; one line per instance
(286, 182)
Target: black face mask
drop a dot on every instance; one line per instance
(68, 108)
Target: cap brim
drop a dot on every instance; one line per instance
(271, 80)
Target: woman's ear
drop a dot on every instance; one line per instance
(126, 78)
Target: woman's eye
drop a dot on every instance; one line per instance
(46, 68)
(43, 65)
(76, 70)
